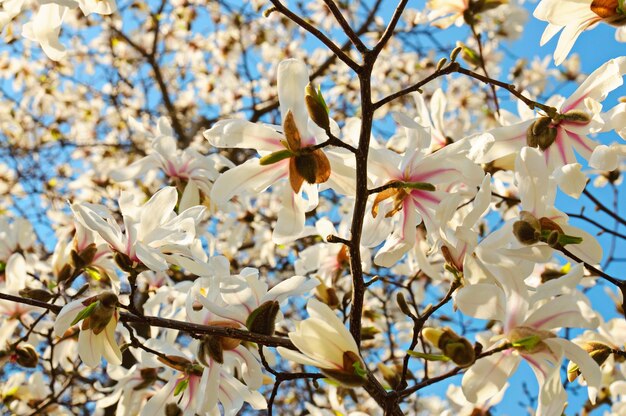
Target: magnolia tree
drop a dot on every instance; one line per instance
(325, 208)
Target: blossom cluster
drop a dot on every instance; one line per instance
(333, 249)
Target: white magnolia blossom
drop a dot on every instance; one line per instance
(155, 236)
(572, 17)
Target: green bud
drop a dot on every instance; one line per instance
(404, 307)
(316, 107)
(576, 116)
(263, 319)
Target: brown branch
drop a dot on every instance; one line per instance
(354, 38)
(318, 34)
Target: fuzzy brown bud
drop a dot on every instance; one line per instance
(263, 319)
(26, 356)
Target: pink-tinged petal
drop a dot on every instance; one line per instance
(250, 176)
(561, 312)
(598, 85)
(583, 145)
(290, 221)
(560, 152)
(506, 140)
(293, 77)
(156, 404)
(482, 301)
(552, 396)
(108, 229)
(404, 236)
(244, 135)
(252, 373)
(487, 376)
(90, 347)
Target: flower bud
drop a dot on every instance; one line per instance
(263, 319)
(541, 134)
(457, 348)
(576, 116)
(526, 232)
(176, 362)
(64, 273)
(213, 346)
(316, 107)
(98, 314)
(404, 307)
(37, 294)
(598, 351)
(393, 376)
(26, 356)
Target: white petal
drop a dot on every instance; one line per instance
(245, 135)
(293, 77)
(487, 376)
(482, 301)
(571, 179)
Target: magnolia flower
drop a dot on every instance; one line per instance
(558, 135)
(445, 13)
(240, 298)
(285, 155)
(324, 342)
(154, 235)
(45, 27)
(194, 172)
(576, 16)
(529, 327)
(418, 182)
(99, 318)
(200, 387)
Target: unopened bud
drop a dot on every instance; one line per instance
(65, 273)
(263, 319)
(440, 64)
(455, 53)
(541, 134)
(598, 351)
(404, 307)
(37, 294)
(26, 356)
(453, 346)
(576, 116)
(213, 346)
(525, 232)
(316, 107)
(176, 362)
(391, 375)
